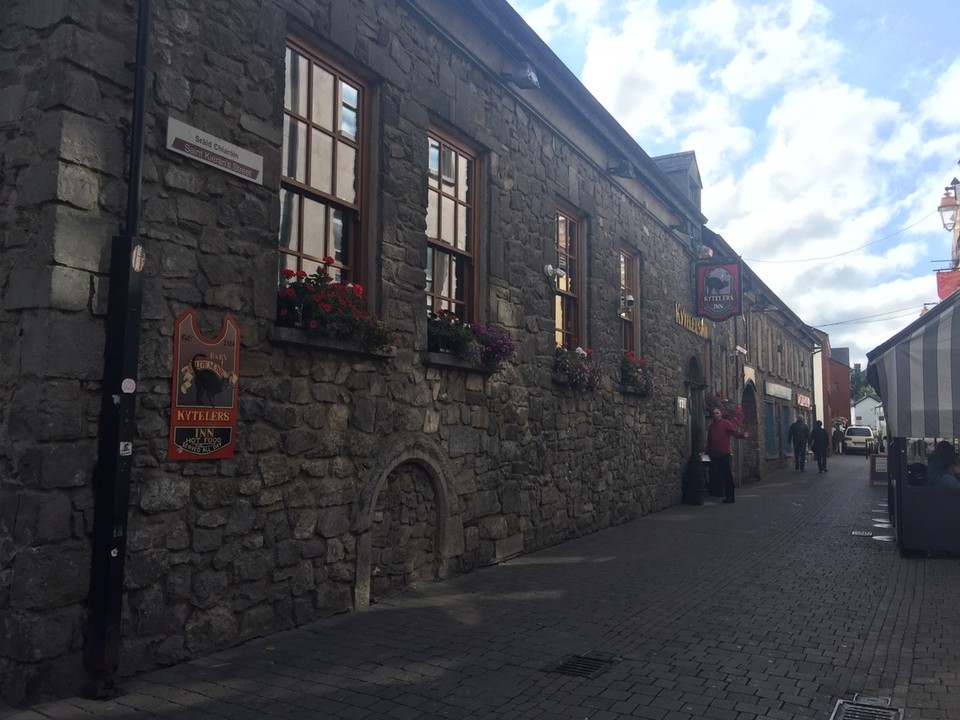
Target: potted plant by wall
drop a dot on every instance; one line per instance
(330, 310)
(693, 484)
(636, 375)
(576, 368)
(484, 346)
(448, 333)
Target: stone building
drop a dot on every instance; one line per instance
(434, 156)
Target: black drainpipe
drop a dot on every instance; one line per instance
(111, 475)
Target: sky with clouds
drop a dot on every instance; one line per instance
(825, 133)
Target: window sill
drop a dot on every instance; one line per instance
(446, 360)
(561, 381)
(630, 390)
(293, 336)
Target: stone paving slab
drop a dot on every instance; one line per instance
(768, 608)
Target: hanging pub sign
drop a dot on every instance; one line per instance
(719, 290)
(203, 410)
(947, 283)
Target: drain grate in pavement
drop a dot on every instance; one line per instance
(847, 710)
(587, 666)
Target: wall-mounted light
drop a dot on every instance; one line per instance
(949, 206)
(623, 168)
(682, 227)
(553, 273)
(524, 77)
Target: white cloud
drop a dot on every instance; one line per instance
(799, 159)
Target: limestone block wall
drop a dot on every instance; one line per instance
(330, 444)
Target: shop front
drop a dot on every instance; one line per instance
(916, 374)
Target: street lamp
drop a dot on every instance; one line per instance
(949, 205)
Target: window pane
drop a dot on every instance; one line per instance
(321, 162)
(295, 92)
(351, 96)
(294, 149)
(447, 215)
(346, 172)
(339, 238)
(348, 123)
(433, 218)
(463, 222)
(459, 280)
(442, 280)
(448, 168)
(429, 287)
(324, 101)
(349, 109)
(314, 228)
(434, 160)
(558, 314)
(289, 220)
(287, 262)
(464, 171)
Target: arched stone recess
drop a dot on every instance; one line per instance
(751, 420)
(696, 427)
(406, 462)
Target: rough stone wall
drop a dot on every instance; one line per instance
(220, 551)
(61, 160)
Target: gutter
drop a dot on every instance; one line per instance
(111, 476)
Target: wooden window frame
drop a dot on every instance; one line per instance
(467, 258)
(351, 266)
(629, 286)
(569, 290)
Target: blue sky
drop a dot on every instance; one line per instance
(825, 133)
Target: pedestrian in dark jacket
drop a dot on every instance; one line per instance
(799, 435)
(819, 443)
(837, 441)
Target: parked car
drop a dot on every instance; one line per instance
(859, 438)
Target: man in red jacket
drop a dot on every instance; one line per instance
(719, 433)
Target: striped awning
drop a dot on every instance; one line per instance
(917, 374)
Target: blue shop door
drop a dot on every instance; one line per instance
(769, 430)
(785, 430)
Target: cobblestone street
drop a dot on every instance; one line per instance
(775, 607)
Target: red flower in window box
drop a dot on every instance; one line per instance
(636, 374)
(326, 309)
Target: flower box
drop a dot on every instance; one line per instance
(576, 368)
(324, 309)
(636, 375)
(447, 360)
(481, 348)
(296, 336)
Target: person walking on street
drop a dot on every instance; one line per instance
(837, 440)
(719, 433)
(799, 435)
(819, 443)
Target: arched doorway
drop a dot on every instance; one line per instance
(403, 532)
(750, 461)
(408, 526)
(697, 419)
